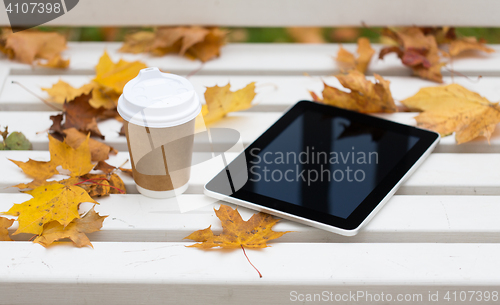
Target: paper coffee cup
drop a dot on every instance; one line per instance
(159, 110)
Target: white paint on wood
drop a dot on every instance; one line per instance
(250, 125)
(440, 174)
(278, 13)
(132, 273)
(136, 218)
(255, 59)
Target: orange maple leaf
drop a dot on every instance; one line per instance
(236, 233)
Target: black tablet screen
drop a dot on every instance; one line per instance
(328, 163)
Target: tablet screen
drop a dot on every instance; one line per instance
(328, 163)
(325, 164)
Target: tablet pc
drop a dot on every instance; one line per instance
(324, 166)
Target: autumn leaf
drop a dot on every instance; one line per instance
(114, 76)
(306, 34)
(467, 44)
(220, 101)
(104, 167)
(254, 233)
(453, 108)
(104, 97)
(193, 42)
(98, 150)
(79, 114)
(56, 202)
(347, 61)
(39, 170)
(62, 92)
(57, 62)
(138, 42)
(127, 171)
(98, 185)
(77, 161)
(28, 46)
(416, 50)
(365, 96)
(76, 230)
(5, 223)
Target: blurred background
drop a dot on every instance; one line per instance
(255, 35)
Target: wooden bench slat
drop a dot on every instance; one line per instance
(274, 93)
(254, 59)
(129, 273)
(440, 174)
(250, 125)
(263, 13)
(415, 219)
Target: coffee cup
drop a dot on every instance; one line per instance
(159, 112)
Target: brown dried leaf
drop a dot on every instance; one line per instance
(417, 51)
(365, 96)
(99, 151)
(104, 167)
(138, 42)
(27, 46)
(79, 114)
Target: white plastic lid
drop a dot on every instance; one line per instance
(155, 99)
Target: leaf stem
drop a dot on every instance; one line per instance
(33, 93)
(250, 261)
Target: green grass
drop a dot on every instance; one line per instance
(256, 35)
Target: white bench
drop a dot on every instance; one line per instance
(439, 233)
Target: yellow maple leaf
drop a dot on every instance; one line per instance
(115, 76)
(220, 101)
(77, 161)
(453, 108)
(55, 201)
(236, 233)
(76, 230)
(39, 170)
(62, 91)
(5, 223)
(347, 61)
(365, 96)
